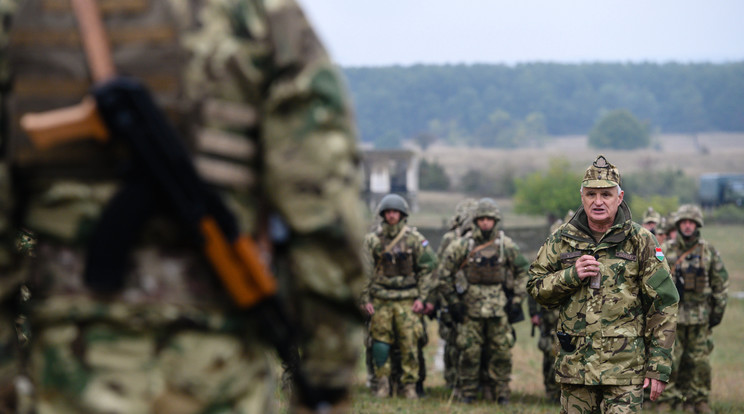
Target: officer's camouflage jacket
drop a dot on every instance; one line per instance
(623, 331)
(702, 277)
(482, 300)
(412, 248)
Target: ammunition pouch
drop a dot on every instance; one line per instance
(397, 263)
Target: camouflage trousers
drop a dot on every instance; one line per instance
(102, 368)
(484, 342)
(607, 399)
(394, 323)
(691, 358)
(448, 332)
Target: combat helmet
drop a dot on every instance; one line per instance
(487, 207)
(601, 174)
(651, 216)
(689, 212)
(393, 202)
(463, 211)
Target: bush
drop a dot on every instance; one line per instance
(661, 204)
(728, 214)
(669, 183)
(432, 176)
(551, 192)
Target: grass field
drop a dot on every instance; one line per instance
(527, 387)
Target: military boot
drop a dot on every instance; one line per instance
(488, 393)
(409, 391)
(383, 387)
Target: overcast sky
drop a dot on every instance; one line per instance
(405, 32)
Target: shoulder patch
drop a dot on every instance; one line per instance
(425, 243)
(659, 253)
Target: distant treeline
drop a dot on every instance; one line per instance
(499, 105)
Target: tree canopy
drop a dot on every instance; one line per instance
(619, 129)
(503, 106)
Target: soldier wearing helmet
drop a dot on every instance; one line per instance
(398, 293)
(616, 299)
(478, 275)
(651, 220)
(460, 225)
(702, 281)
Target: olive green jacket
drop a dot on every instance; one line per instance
(622, 332)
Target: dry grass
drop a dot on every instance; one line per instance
(694, 154)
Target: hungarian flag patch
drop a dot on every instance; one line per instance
(659, 254)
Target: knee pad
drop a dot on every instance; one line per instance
(380, 353)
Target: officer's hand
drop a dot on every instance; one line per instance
(586, 266)
(417, 307)
(369, 308)
(657, 387)
(535, 320)
(715, 319)
(428, 308)
(457, 311)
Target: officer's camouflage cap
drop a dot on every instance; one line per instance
(601, 174)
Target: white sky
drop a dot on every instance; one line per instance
(405, 32)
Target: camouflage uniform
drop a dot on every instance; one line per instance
(401, 264)
(264, 110)
(612, 337)
(460, 226)
(702, 281)
(476, 273)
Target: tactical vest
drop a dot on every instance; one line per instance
(147, 42)
(485, 266)
(692, 270)
(395, 267)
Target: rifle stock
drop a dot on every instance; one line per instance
(234, 263)
(56, 127)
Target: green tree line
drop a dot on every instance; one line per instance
(507, 106)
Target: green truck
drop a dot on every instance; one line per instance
(719, 189)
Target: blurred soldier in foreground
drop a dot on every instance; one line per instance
(398, 293)
(483, 277)
(702, 281)
(545, 319)
(263, 112)
(460, 226)
(651, 220)
(617, 302)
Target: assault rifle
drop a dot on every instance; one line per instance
(163, 174)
